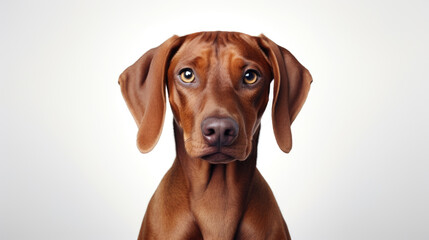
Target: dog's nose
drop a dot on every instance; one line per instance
(219, 131)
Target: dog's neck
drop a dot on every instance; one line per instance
(217, 192)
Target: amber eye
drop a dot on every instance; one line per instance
(250, 76)
(187, 75)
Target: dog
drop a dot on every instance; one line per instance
(218, 86)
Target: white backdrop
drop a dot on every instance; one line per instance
(70, 168)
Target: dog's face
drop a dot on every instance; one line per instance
(215, 80)
(218, 85)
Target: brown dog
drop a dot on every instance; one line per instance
(218, 85)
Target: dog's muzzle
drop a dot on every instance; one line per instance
(219, 133)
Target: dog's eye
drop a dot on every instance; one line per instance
(187, 75)
(250, 76)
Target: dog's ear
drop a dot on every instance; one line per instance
(143, 88)
(291, 85)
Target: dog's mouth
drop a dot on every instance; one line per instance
(218, 158)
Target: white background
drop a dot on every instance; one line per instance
(70, 168)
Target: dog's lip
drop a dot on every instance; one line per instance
(218, 158)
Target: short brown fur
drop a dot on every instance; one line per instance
(224, 197)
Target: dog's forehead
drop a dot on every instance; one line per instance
(219, 44)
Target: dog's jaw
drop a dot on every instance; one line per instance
(218, 158)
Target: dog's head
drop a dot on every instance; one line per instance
(218, 85)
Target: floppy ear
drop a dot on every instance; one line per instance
(143, 88)
(291, 85)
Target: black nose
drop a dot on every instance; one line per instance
(219, 131)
